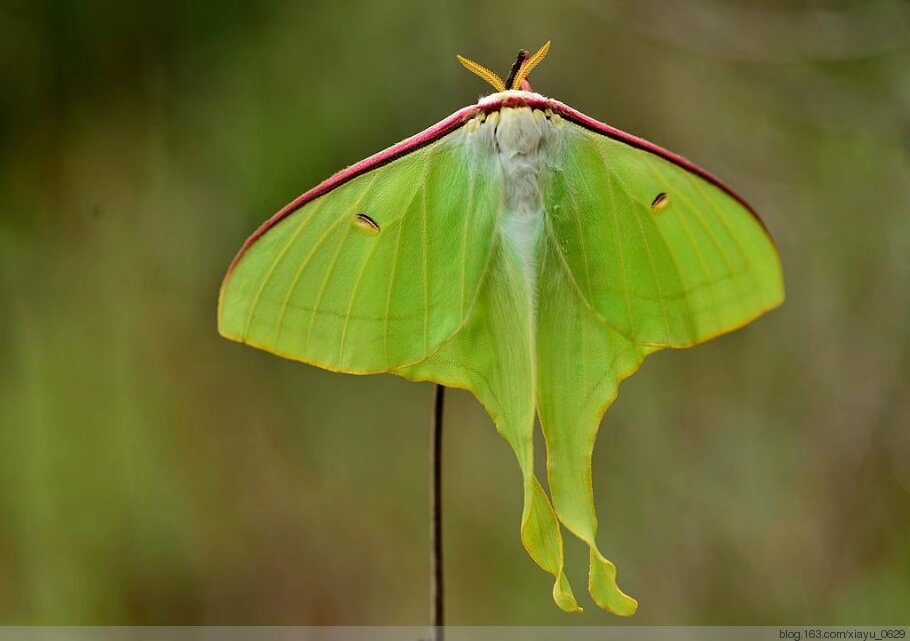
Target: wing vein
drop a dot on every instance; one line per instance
(617, 241)
(354, 291)
(718, 245)
(495, 241)
(265, 280)
(579, 218)
(394, 272)
(561, 260)
(388, 300)
(672, 254)
(696, 249)
(426, 268)
(331, 267)
(644, 238)
(306, 261)
(464, 243)
(723, 221)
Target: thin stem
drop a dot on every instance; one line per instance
(437, 618)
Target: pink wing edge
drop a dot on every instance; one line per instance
(462, 116)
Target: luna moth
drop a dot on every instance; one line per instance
(520, 250)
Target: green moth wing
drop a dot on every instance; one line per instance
(373, 275)
(639, 253)
(524, 252)
(676, 259)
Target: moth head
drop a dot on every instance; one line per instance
(518, 76)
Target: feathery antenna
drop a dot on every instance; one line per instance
(529, 65)
(523, 66)
(483, 72)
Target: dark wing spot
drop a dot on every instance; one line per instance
(660, 201)
(367, 224)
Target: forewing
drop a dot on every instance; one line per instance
(326, 286)
(663, 256)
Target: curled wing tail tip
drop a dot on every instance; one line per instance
(628, 611)
(563, 596)
(541, 537)
(603, 587)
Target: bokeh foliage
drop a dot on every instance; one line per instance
(153, 473)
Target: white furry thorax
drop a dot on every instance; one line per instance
(519, 138)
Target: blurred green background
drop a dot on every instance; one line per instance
(154, 473)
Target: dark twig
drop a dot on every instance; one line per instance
(437, 618)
